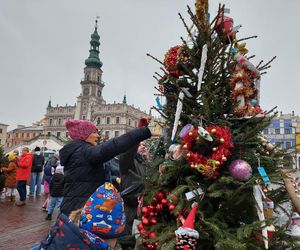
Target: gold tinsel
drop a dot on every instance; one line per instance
(202, 12)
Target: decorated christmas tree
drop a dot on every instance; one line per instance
(212, 183)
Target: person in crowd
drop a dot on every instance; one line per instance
(95, 226)
(36, 172)
(83, 159)
(56, 190)
(133, 168)
(10, 181)
(112, 173)
(49, 170)
(24, 163)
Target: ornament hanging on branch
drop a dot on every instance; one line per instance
(186, 235)
(201, 7)
(175, 58)
(240, 170)
(209, 156)
(245, 82)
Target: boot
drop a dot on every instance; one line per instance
(20, 203)
(49, 217)
(12, 198)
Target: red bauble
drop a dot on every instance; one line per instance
(164, 202)
(159, 207)
(171, 207)
(151, 214)
(154, 199)
(151, 235)
(140, 227)
(153, 221)
(145, 222)
(160, 195)
(145, 210)
(150, 247)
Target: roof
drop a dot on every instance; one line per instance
(2, 124)
(31, 128)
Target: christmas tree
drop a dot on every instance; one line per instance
(211, 186)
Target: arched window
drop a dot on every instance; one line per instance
(87, 77)
(98, 121)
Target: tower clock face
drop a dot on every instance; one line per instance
(86, 91)
(99, 93)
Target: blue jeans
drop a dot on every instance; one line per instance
(21, 187)
(53, 201)
(35, 179)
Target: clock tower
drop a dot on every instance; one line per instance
(91, 85)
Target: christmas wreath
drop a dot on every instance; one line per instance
(207, 156)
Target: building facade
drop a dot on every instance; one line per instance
(284, 131)
(3, 134)
(111, 119)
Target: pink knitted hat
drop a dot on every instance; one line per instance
(80, 129)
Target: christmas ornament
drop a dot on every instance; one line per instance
(175, 152)
(186, 235)
(264, 175)
(204, 134)
(202, 65)
(209, 164)
(294, 226)
(201, 7)
(240, 170)
(177, 114)
(174, 58)
(223, 27)
(268, 206)
(185, 130)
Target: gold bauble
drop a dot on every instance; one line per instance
(222, 140)
(214, 149)
(213, 130)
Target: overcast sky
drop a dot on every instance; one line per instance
(44, 44)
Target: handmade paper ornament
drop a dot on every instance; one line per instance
(204, 134)
(268, 206)
(185, 130)
(294, 227)
(175, 152)
(224, 25)
(186, 235)
(240, 170)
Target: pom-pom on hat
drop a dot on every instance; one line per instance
(103, 213)
(37, 149)
(80, 129)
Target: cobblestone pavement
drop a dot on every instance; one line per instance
(22, 227)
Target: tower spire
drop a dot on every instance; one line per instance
(124, 99)
(93, 59)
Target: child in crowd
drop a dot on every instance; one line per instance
(56, 190)
(10, 181)
(49, 170)
(96, 226)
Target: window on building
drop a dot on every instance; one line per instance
(129, 122)
(288, 144)
(266, 131)
(17, 135)
(98, 78)
(33, 134)
(278, 144)
(27, 134)
(88, 77)
(49, 133)
(287, 131)
(50, 122)
(277, 131)
(58, 134)
(1, 131)
(107, 120)
(107, 134)
(59, 121)
(117, 133)
(83, 117)
(117, 120)
(22, 135)
(98, 121)
(67, 134)
(0, 141)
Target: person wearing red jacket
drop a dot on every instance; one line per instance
(23, 174)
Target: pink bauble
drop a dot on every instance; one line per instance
(240, 170)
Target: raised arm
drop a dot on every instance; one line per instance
(116, 146)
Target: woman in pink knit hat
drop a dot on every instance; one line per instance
(83, 160)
